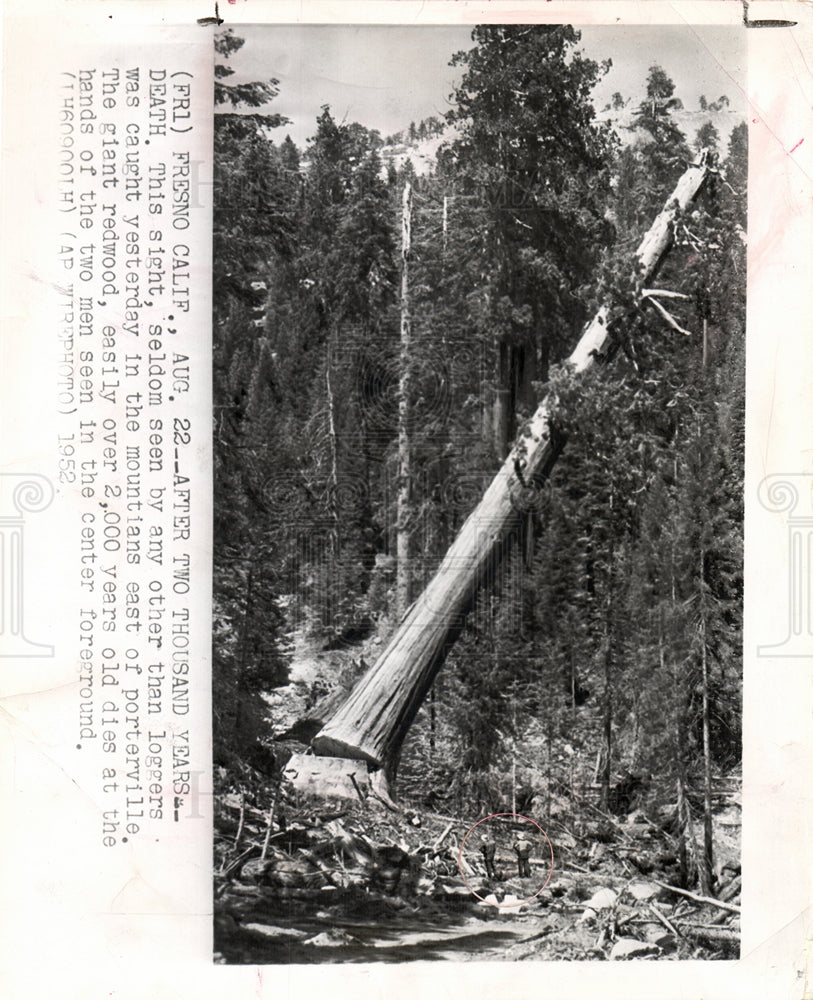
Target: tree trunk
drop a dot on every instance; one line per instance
(707, 863)
(432, 722)
(502, 403)
(333, 476)
(516, 372)
(685, 833)
(242, 660)
(374, 720)
(404, 527)
(445, 220)
(328, 603)
(607, 706)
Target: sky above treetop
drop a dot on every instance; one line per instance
(388, 76)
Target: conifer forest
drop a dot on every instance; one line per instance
(479, 399)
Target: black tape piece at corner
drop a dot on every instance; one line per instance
(763, 23)
(217, 19)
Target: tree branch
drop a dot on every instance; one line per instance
(668, 316)
(731, 907)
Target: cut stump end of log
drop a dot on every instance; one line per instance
(328, 777)
(326, 745)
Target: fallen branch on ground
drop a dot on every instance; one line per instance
(270, 823)
(719, 903)
(443, 836)
(662, 918)
(242, 817)
(670, 319)
(710, 932)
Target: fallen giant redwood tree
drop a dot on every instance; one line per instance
(372, 722)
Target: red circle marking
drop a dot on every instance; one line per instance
(463, 844)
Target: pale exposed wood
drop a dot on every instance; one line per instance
(242, 817)
(670, 319)
(662, 918)
(665, 293)
(380, 789)
(709, 900)
(373, 721)
(443, 836)
(326, 778)
(271, 812)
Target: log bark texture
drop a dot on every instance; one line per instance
(372, 723)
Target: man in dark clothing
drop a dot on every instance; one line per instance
(522, 849)
(488, 847)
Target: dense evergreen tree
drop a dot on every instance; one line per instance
(531, 154)
(251, 224)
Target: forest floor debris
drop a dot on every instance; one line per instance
(298, 880)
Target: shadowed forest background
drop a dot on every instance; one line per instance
(601, 667)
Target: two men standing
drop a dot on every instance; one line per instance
(521, 847)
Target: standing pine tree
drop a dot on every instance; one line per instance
(251, 227)
(652, 162)
(335, 336)
(532, 155)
